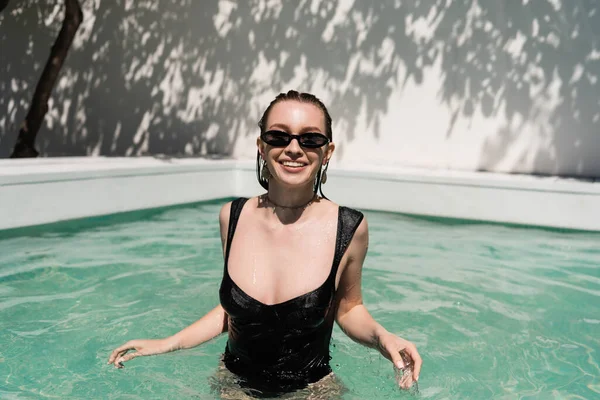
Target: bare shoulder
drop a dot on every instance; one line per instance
(360, 241)
(362, 232)
(224, 214)
(328, 207)
(361, 235)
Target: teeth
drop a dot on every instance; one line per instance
(292, 164)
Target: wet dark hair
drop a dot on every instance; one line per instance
(301, 97)
(293, 95)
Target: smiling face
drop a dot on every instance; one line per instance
(294, 165)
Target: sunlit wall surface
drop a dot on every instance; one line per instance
(508, 86)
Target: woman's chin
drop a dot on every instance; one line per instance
(294, 181)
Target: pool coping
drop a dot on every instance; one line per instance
(45, 190)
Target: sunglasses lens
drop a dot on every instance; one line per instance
(313, 140)
(276, 138)
(308, 140)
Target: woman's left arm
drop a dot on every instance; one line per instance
(353, 317)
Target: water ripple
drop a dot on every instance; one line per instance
(496, 312)
(45, 298)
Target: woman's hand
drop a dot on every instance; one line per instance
(392, 347)
(141, 347)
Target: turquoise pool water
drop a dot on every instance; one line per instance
(496, 311)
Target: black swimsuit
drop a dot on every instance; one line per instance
(282, 347)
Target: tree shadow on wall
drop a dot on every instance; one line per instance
(111, 97)
(547, 83)
(183, 77)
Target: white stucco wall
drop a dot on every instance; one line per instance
(505, 86)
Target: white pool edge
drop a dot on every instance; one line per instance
(41, 191)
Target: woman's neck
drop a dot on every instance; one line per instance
(295, 198)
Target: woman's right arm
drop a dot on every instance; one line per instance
(211, 325)
(206, 328)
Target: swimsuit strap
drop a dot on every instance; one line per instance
(234, 216)
(348, 221)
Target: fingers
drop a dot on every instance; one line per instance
(130, 356)
(403, 363)
(396, 358)
(406, 380)
(117, 359)
(119, 355)
(117, 352)
(124, 357)
(414, 354)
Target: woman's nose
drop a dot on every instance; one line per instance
(293, 147)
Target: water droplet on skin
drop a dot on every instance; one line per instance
(254, 261)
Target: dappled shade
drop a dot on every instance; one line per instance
(191, 77)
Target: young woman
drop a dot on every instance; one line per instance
(293, 264)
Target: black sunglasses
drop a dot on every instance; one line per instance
(310, 140)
